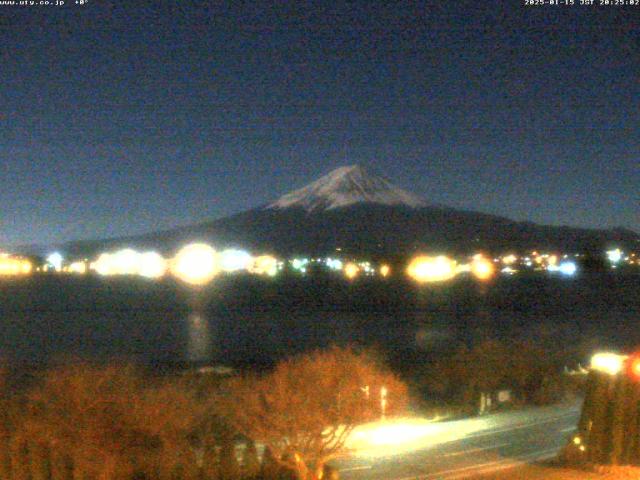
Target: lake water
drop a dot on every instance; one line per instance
(243, 321)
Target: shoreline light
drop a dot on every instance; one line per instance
(264, 265)
(614, 256)
(426, 269)
(14, 266)
(482, 268)
(235, 260)
(55, 260)
(385, 270)
(351, 270)
(567, 268)
(195, 264)
(152, 265)
(79, 267)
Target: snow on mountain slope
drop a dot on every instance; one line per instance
(347, 186)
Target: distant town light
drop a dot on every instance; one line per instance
(385, 270)
(481, 268)
(235, 260)
(509, 270)
(610, 363)
(509, 259)
(195, 264)
(334, 263)
(14, 266)
(55, 260)
(351, 270)
(103, 266)
(152, 265)
(614, 256)
(125, 262)
(300, 264)
(264, 265)
(567, 268)
(78, 267)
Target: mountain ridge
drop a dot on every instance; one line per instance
(357, 211)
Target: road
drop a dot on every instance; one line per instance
(415, 449)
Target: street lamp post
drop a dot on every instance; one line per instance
(383, 401)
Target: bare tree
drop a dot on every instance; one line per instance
(109, 423)
(305, 409)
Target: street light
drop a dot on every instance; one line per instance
(383, 401)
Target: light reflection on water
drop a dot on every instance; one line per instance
(198, 338)
(245, 323)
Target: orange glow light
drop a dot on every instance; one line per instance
(385, 270)
(482, 268)
(425, 269)
(351, 270)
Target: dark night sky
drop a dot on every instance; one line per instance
(117, 119)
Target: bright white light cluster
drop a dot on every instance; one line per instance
(196, 263)
(300, 264)
(565, 268)
(539, 261)
(55, 261)
(614, 256)
(235, 260)
(367, 268)
(130, 262)
(14, 265)
(334, 263)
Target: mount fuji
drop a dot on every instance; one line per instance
(346, 186)
(360, 212)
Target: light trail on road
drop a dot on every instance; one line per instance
(463, 448)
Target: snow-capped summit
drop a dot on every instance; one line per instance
(347, 186)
